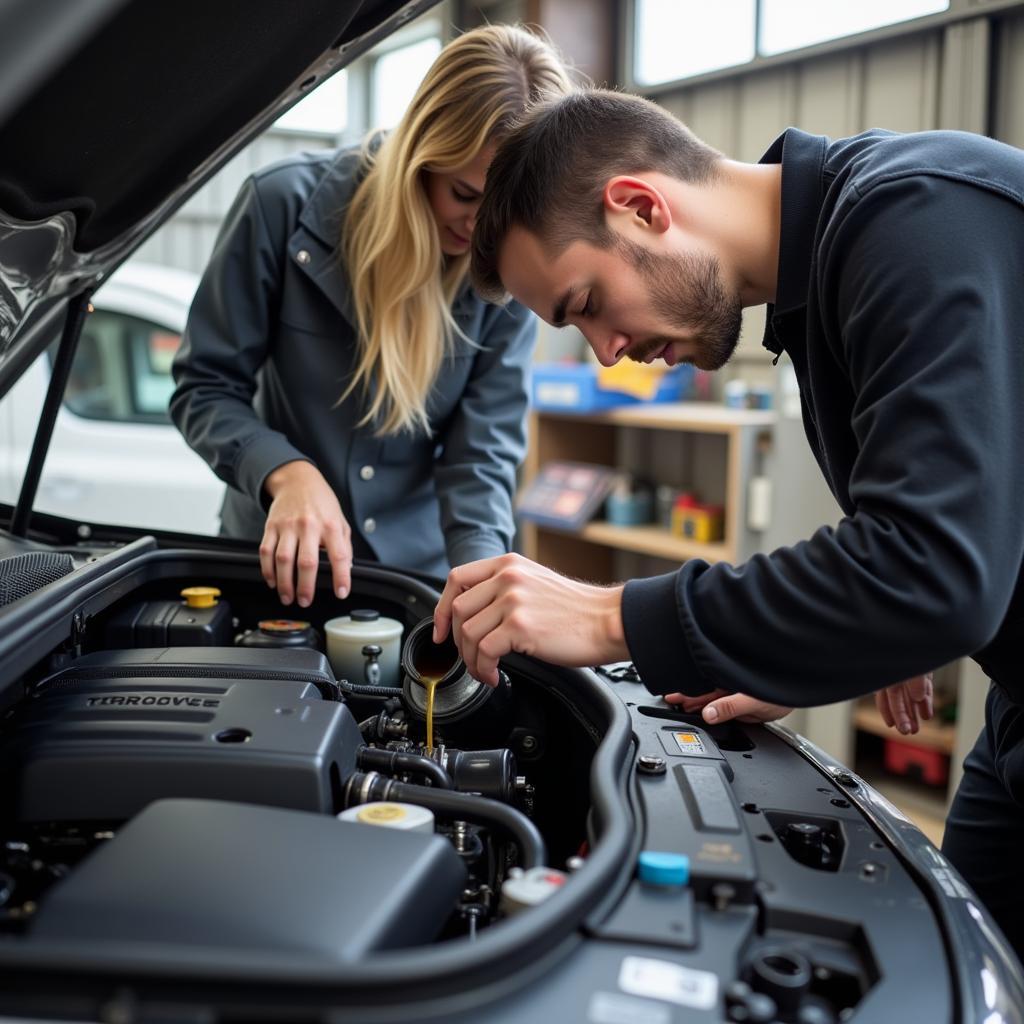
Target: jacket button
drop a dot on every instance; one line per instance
(302, 256)
(369, 525)
(366, 473)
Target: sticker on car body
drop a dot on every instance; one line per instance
(662, 979)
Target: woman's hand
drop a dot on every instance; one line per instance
(304, 516)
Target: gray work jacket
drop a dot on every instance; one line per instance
(270, 346)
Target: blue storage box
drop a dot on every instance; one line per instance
(634, 509)
(573, 387)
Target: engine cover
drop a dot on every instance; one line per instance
(252, 882)
(117, 731)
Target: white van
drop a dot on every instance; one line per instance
(115, 456)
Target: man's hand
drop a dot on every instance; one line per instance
(304, 516)
(504, 604)
(722, 706)
(903, 705)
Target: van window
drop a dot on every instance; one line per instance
(122, 369)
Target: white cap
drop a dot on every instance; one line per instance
(523, 889)
(406, 817)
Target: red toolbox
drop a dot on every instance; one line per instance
(931, 766)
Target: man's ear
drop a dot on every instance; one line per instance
(638, 202)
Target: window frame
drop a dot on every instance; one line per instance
(959, 10)
(433, 24)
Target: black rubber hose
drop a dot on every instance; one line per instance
(363, 788)
(368, 691)
(399, 761)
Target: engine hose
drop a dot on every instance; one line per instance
(365, 787)
(383, 692)
(399, 761)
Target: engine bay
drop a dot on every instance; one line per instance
(142, 778)
(194, 789)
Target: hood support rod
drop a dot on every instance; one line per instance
(78, 308)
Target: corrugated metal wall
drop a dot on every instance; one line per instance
(1007, 104)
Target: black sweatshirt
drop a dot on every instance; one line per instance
(900, 301)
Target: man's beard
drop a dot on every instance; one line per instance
(686, 291)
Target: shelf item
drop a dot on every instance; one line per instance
(696, 521)
(584, 387)
(564, 495)
(908, 759)
(630, 503)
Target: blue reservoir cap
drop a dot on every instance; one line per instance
(657, 868)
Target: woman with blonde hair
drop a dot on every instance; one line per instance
(337, 370)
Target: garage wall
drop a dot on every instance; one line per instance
(186, 240)
(1007, 100)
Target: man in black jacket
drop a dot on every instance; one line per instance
(893, 270)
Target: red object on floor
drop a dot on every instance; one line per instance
(931, 766)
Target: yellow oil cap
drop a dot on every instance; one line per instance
(200, 597)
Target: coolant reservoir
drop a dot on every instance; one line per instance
(347, 635)
(199, 619)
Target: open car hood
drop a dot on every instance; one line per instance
(113, 112)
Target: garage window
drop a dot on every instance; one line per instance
(396, 76)
(676, 40)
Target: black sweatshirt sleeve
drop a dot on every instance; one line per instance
(920, 283)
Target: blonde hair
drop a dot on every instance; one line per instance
(402, 285)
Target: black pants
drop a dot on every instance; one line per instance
(984, 836)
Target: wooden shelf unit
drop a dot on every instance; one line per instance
(652, 540)
(594, 437)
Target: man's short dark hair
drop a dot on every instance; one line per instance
(550, 171)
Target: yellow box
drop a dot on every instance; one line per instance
(702, 523)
